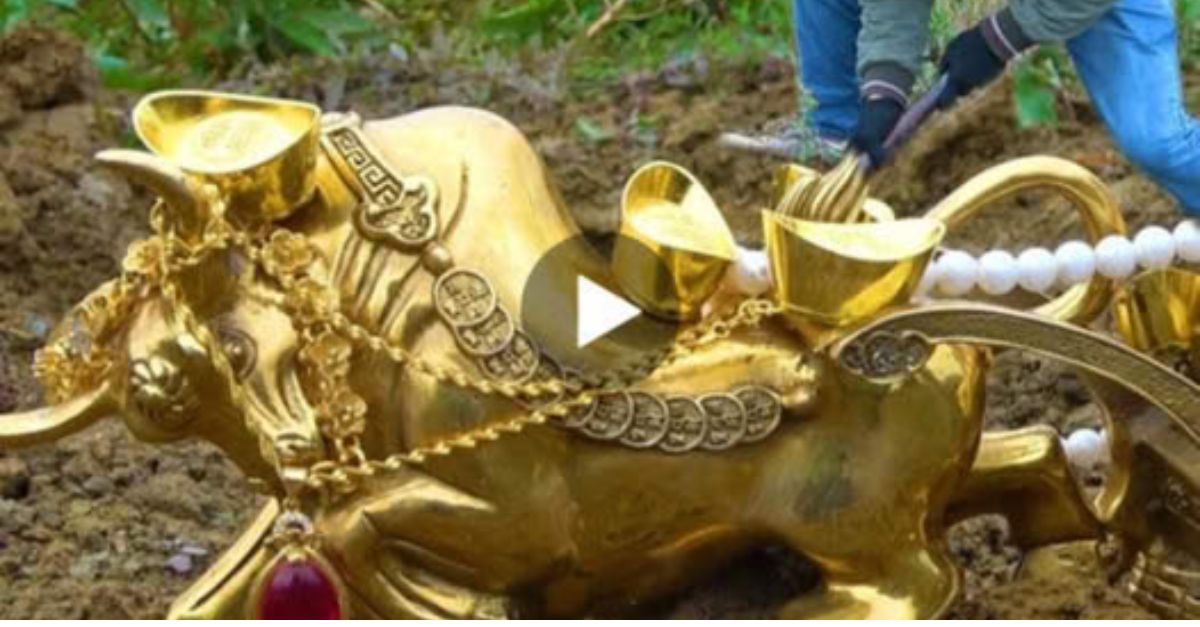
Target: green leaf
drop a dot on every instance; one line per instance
(523, 21)
(303, 34)
(12, 12)
(150, 13)
(1189, 10)
(1034, 98)
(117, 73)
(593, 132)
(340, 21)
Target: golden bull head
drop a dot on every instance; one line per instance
(353, 343)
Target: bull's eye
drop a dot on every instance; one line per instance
(239, 350)
(161, 392)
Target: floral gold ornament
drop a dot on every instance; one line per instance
(332, 303)
(287, 254)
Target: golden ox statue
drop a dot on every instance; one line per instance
(336, 305)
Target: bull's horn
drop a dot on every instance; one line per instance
(51, 423)
(188, 210)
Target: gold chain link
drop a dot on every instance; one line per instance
(343, 478)
(350, 466)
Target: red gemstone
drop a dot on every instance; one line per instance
(299, 590)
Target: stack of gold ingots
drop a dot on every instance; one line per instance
(333, 304)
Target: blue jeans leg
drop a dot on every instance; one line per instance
(827, 49)
(1129, 62)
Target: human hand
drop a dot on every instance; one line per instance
(968, 64)
(876, 121)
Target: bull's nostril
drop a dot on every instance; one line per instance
(161, 392)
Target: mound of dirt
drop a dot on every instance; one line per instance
(98, 525)
(92, 526)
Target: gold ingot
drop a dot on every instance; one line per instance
(1159, 309)
(675, 246)
(836, 274)
(261, 152)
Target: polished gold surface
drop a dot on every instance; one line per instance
(359, 357)
(876, 264)
(790, 178)
(1098, 209)
(674, 246)
(260, 152)
(1159, 309)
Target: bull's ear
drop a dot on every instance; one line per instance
(187, 205)
(51, 423)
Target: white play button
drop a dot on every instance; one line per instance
(580, 320)
(599, 310)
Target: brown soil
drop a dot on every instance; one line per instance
(99, 525)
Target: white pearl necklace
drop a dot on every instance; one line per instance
(750, 273)
(1037, 270)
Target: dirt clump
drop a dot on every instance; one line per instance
(88, 524)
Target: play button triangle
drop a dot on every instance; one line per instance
(599, 311)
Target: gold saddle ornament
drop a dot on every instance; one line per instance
(334, 304)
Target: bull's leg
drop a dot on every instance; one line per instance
(913, 583)
(385, 580)
(388, 544)
(1024, 475)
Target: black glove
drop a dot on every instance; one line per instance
(969, 64)
(876, 121)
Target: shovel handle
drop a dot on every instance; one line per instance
(916, 115)
(911, 120)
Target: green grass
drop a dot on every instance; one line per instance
(147, 44)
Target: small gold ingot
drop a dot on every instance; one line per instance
(1159, 309)
(262, 152)
(675, 246)
(875, 265)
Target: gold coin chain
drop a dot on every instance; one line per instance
(326, 340)
(344, 478)
(315, 308)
